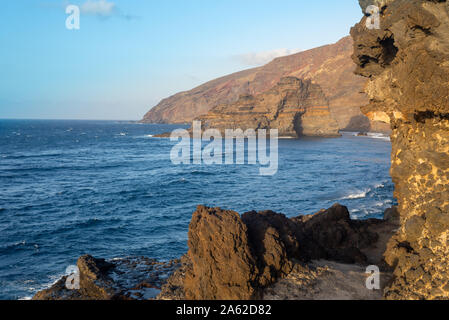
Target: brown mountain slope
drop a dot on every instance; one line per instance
(329, 66)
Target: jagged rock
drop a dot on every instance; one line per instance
(332, 235)
(273, 242)
(392, 215)
(230, 257)
(223, 266)
(173, 289)
(407, 63)
(93, 280)
(328, 66)
(294, 107)
(136, 278)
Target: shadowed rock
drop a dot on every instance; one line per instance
(136, 278)
(293, 106)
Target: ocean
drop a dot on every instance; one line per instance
(108, 188)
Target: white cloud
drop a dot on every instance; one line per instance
(261, 58)
(98, 7)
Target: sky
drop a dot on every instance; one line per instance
(130, 54)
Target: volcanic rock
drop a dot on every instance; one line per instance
(236, 257)
(134, 278)
(407, 63)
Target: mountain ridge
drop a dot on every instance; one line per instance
(330, 66)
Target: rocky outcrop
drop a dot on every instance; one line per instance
(223, 266)
(137, 278)
(329, 66)
(236, 257)
(294, 107)
(407, 63)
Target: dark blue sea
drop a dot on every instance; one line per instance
(109, 189)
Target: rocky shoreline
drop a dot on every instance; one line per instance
(257, 255)
(406, 63)
(266, 255)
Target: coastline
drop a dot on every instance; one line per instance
(321, 261)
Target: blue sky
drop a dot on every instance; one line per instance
(129, 54)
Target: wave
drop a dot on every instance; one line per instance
(379, 186)
(372, 135)
(379, 136)
(356, 195)
(145, 136)
(12, 246)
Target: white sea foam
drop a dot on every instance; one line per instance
(379, 136)
(356, 195)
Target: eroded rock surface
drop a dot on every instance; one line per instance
(135, 278)
(234, 256)
(294, 107)
(407, 63)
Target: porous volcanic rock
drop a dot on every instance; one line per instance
(294, 107)
(329, 66)
(407, 63)
(236, 257)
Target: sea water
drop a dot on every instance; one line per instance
(109, 189)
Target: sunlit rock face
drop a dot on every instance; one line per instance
(294, 107)
(407, 63)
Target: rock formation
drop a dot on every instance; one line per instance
(293, 106)
(329, 66)
(136, 278)
(236, 257)
(407, 63)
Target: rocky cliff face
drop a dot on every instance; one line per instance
(407, 62)
(329, 66)
(293, 106)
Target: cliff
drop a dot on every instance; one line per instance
(407, 63)
(329, 66)
(293, 106)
